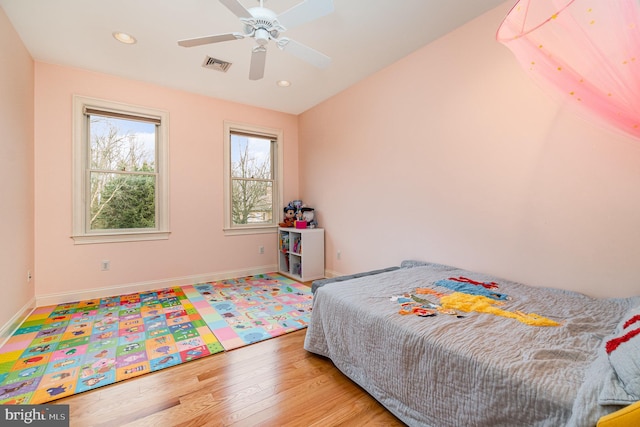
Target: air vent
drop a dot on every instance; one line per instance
(216, 64)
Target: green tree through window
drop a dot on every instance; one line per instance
(122, 173)
(252, 179)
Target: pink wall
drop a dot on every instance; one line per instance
(197, 245)
(453, 155)
(16, 174)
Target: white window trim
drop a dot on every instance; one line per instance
(276, 134)
(80, 230)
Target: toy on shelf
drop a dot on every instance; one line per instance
(298, 215)
(284, 242)
(284, 248)
(297, 269)
(308, 215)
(289, 216)
(297, 245)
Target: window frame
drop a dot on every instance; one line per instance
(275, 135)
(81, 231)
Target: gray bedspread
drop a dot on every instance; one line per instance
(479, 370)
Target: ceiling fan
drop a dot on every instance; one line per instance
(263, 24)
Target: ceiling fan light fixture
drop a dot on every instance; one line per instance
(124, 37)
(262, 36)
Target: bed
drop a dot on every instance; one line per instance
(475, 350)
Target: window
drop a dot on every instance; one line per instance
(120, 172)
(252, 178)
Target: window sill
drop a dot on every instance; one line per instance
(250, 230)
(88, 239)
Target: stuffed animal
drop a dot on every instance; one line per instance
(289, 216)
(308, 214)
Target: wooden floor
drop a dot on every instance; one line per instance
(271, 383)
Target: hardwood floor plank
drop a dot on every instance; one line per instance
(358, 410)
(271, 383)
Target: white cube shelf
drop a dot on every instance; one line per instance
(301, 253)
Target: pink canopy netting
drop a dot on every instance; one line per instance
(586, 51)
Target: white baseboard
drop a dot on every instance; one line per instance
(59, 298)
(14, 323)
(330, 274)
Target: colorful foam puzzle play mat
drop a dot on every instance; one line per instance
(69, 348)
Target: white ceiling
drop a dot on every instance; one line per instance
(361, 37)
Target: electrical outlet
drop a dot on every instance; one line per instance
(105, 265)
(261, 250)
(339, 255)
(29, 276)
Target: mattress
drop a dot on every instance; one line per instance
(470, 368)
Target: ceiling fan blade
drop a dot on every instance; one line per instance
(306, 11)
(210, 39)
(303, 52)
(234, 6)
(258, 60)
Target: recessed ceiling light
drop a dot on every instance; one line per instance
(283, 83)
(124, 37)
